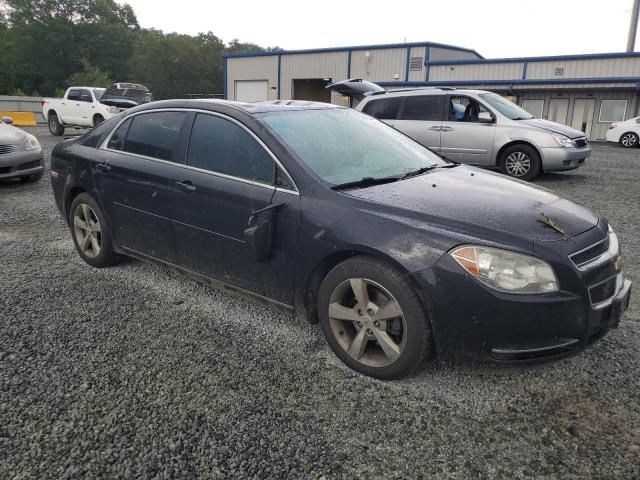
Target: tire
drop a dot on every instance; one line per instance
(520, 161)
(36, 177)
(97, 120)
(394, 318)
(55, 127)
(97, 251)
(629, 140)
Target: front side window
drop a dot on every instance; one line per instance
(612, 111)
(342, 145)
(221, 146)
(85, 96)
(155, 134)
(465, 109)
(384, 109)
(423, 107)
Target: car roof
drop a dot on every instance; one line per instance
(250, 108)
(424, 91)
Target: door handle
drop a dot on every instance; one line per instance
(446, 129)
(435, 128)
(186, 186)
(103, 166)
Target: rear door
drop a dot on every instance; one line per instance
(420, 117)
(229, 177)
(134, 181)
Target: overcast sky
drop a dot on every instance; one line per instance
(495, 28)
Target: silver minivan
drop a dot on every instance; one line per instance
(474, 127)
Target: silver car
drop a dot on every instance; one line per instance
(20, 153)
(473, 126)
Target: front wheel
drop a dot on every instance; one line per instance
(373, 320)
(521, 162)
(629, 140)
(90, 232)
(55, 127)
(97, 120)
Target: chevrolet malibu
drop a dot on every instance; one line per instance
(401, 256)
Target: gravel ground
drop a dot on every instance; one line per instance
(134, 371)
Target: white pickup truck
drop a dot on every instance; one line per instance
(80, 107)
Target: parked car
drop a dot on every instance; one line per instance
(625, 133)
(80, 107)
(400, 255)
(474, 127)
(126, 95)
(20, 153)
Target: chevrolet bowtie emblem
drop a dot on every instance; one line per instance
(549, 222)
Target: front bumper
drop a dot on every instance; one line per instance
(557, 159)
(21, 164)
(475, 324)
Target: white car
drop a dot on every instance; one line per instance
(80, 107)
(625, 133)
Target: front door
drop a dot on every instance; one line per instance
(582, 118)
(229, 177)
(420, 117)
(467, 134)
(558, 110)
(133, 181)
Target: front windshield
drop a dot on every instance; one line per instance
(342, 145)
(505, 107)
(99, 92)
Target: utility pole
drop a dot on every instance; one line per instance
(633, 26)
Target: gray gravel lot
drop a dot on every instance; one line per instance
(135, 371)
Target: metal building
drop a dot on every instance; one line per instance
(588, 92)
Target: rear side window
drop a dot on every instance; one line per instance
(219, 145)
(383, 109)
(116, 142)
(155, 134)
(96, 136)
(74, 94)
(426, 107)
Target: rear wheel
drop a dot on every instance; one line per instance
(90, 232)
(55, 127)
(629, 140)
(521, 162)
(373, 320)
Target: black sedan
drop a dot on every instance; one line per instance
(400, 255)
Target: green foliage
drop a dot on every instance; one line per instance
(47, 45)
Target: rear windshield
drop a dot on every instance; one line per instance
(342, 145)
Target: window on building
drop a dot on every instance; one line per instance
(154, 134)
(534, 107)
(219, 145)
(612, 111)
(383, 109)
(423, 107)
(415, 64)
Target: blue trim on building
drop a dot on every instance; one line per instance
(427, 53)
(224, 78)
(354, 48)
(279, 66)
(529, 81)
(637, 99)
(349, 64)
(524, 69)
(406, 67)
(589, 56)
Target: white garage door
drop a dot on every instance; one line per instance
(252, 90)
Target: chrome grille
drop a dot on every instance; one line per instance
(581, 142)
(589, 254)
(7, 148)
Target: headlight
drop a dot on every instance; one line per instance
(563, 141)
(113, 110)
(31, 143)
(506, 271)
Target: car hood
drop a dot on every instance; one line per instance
(485, 199)
(10, 134)
(553, 127)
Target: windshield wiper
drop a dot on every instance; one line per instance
(365, 182)
(419, 171)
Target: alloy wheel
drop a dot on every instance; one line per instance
(87, 231)
(367, 322)
(628, 140)
(518, 164)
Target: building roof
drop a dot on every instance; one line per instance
(354, 48)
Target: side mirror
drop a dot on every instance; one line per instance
(260, 232)
(485, 117)
(7, 120)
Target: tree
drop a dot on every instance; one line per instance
(90, 76)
